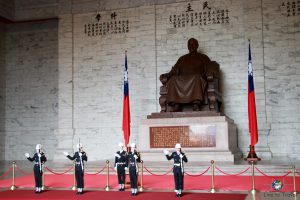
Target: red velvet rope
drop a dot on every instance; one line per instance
(240, 173)
(194, 175)
(101, 170)
(113, 169)
(23, 172)
(6, 173)
(157, 174)
(60, 173)
(273, 176)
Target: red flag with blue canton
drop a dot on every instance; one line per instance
(251, 103)
(126, 108)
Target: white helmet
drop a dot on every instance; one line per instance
(79, 145)
(121, 144)
(178, 146)
(133, 145)
(38, 146)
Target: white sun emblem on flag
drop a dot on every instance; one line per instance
(126, 76)
(250, 69)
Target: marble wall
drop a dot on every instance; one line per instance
(2, 93)
(282, 75)
(31, 87)
(81, 98)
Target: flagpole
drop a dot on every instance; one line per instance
(126, 108)
(126, 145)
(252, 155)
(253, 130)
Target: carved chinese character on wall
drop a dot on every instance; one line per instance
(102, 28)
(188, 136)
(206, 16)
(290, 8)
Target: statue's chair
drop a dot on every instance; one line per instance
(213, 97)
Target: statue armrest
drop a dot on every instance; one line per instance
(213, 71)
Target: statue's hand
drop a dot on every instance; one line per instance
(164, 78)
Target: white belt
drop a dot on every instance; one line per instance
(121, 163)
(177, 164)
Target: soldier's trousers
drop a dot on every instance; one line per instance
(133, 177)
(79, 177)
(178, 178)
(121, 174)
(38, 176)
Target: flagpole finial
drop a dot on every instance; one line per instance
(249, 40)
(126, 52)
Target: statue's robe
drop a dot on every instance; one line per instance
(187, 79)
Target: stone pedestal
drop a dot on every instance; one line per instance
(203, 136)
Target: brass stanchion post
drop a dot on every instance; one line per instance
(294, 179)
(74, 179)
(142, 173)
(212, 190)
(253, 191)
(107, 176)
(13, 187)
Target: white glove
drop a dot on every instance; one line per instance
(117, 155)
(135, 156)
(180, 155)
(166, 152)
(27, 155)
(66, 153)
(80, 154)
(39, 155)
(116, 168)
(126, 168)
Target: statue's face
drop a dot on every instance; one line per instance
(193, 45)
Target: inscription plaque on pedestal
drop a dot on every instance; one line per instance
(188, 136)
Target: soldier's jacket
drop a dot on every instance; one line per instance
(123, 160)
(177, 159)
(76, 157)
(132, 161)
(36, 159)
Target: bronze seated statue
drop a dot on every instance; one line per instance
(192, 84)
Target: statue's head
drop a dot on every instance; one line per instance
(193, 45)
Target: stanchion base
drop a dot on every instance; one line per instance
(44, 188)
(213, 190)
(141, 189)
(295, 193)
(107, 188)
(13, 187)
(74, 188)
(253, 191)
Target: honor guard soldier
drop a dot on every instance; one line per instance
(121, 163)
(79, 157)
(178, 168)
(39, 159)
(133, 159)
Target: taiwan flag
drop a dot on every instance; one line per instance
(126, 108)
(251, 104)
